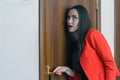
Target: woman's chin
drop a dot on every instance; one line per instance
(71, 30)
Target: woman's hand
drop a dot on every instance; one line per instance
(63, 69)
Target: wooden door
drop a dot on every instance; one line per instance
(117, 33)
(54, 49)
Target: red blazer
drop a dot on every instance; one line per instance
(96, 59)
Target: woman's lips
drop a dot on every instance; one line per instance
(69, 26)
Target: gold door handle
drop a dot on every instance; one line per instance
(49, 72)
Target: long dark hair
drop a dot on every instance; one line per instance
(84, 26)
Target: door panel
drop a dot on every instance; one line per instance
(54, 47)
(117, 33)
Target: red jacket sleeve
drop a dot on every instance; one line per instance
(99, 43)
(77, 76)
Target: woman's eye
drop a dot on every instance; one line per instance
(68, 17)
(74, 17)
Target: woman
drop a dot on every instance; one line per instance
(92, 58)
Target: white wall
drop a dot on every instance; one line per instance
(107, 21)
(19, 40)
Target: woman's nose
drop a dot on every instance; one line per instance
(69, 20)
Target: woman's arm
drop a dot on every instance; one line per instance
(63, 69)
(72, 75)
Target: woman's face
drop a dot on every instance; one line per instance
(72, 20)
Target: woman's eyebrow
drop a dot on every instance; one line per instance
(75, 16)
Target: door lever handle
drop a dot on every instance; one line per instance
(49, 72)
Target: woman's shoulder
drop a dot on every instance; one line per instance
(93, 32)
(95, 35)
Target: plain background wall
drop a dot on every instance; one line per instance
(19, 54)
(107, 21)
